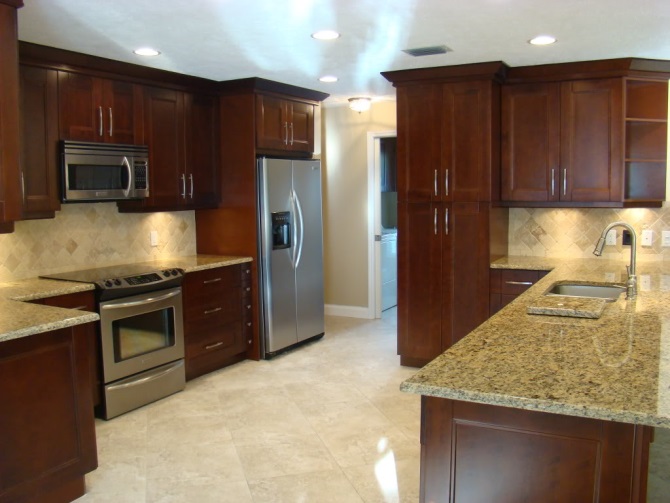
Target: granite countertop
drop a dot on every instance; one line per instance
(615, 367)
(20, 318)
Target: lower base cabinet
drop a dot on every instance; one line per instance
(47, 428)
(471, 453)
(217, 317)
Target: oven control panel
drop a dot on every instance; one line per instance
(139, 283)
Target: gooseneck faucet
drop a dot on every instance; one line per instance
(631, 283)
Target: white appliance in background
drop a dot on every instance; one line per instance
(290, 253)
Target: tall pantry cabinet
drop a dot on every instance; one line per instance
(448, 165)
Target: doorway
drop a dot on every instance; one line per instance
(382, 225)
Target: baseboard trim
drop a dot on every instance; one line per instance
(349, 311)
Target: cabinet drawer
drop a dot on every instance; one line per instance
(516, 281)
(220, 307)
(215, 339)
(204, 284)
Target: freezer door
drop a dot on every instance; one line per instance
(309, 268)
(277, 273)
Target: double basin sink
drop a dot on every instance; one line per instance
(594, 291)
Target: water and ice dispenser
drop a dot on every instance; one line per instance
(281, 230)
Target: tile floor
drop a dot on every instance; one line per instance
(325, 423)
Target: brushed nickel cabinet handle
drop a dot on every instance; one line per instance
(215, 345)
(208, 281)
(291, 127)
(285, 133)
(111, 122)
(190, 177)
(553, 181)
(565, 180)
(215, 310)
(525, 283)
(100, 120)
(79, 308)
(446, 221)
(446, 182)
(183, 186)
(435, 184)
(435, 223)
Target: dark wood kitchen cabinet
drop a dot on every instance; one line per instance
(443, 263)
(39, 142)
(284, 125)
(446, 139)
(217, 317)
(505, 285)
(447, 228)
(10, 186)
(99, 110)
(48, 430)
(569, 139)
(471, 453)
(181, 130)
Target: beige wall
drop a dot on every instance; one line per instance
(87, 235)
(345, 209)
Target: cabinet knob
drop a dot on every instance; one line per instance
(248, 323)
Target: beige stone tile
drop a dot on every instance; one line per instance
(197, 491)
(122, 472)
(387, 481)
(113, 497)
(201, 429)
(322, 487)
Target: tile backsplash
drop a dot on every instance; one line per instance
(88, 235)
(573, 233)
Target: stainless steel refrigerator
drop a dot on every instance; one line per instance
(290, 252)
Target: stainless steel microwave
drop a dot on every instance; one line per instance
(104, 172)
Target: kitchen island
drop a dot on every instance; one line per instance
(550, 408)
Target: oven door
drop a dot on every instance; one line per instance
(141, 332)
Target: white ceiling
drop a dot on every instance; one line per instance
(230, 39)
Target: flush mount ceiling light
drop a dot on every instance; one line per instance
(146, 51)
(325, 35)
(359, 104)
(542, 40)
(328, 78)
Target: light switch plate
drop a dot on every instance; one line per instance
(647, 237)
(153, 238)
(610, 239)
(665, 238)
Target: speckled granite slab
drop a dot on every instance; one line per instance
(573, 307)
(616, 367)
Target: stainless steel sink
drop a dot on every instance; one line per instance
(608, 292)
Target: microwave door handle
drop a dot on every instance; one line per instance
(126, 191)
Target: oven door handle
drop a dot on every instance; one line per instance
(148, 300)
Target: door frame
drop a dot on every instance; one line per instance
(375, 221)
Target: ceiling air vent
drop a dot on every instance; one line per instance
(427, 51)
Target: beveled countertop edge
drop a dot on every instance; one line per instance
(533, 404)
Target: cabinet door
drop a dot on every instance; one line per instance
(301, 126)
(592, 140)
(80, 107)
(419, 282)
(465, 297)
(10, 192)
(120, 111)
(530, 142)
(164, 134)
(202, 150)
(465, 167)
(271, 123)
(419, 141)
(39, 142)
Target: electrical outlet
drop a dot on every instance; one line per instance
(645, 282)
(647, 237)
(153, 238)
(665, 282)
(665, 238)
(610, 277)
(610, 239)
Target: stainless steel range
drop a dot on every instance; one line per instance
(141, 333)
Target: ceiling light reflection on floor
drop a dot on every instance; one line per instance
(385, 471)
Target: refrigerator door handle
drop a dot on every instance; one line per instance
(302, 229)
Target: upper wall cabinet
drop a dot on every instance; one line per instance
(568, 140)
(10, 192)
(284, 125)
(100, 110)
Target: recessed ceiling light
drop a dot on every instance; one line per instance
(542, 40)
(325, 35)
(328, 78)
(146, 51)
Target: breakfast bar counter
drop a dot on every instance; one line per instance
(559, 401)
